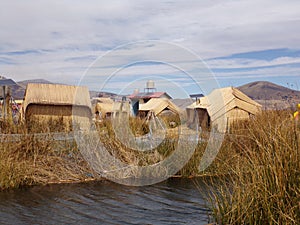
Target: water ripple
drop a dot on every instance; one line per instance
(176, 201)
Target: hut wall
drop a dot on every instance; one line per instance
(67, 114)
(237, 114)
(224, 122)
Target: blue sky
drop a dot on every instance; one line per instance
(238, 41)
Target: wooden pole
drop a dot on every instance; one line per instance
(8, 105)
(4, 102)
(6, 109)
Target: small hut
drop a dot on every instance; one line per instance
(103, 108)
(223, 107)
(237, 106)
(45, 102)
(157, 106)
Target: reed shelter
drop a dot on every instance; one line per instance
(222, 107)
(157, 106)
(71, 104)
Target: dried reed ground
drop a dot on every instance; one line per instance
(34, 159)
(260, 159)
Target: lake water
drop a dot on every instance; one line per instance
(176, 201)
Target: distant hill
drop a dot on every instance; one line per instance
(36, 81)
(263, 90)
(271, 95)
(18, 91)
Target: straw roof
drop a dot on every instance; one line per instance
(56, 94)
(225, 99)
(228, 102)
(109, 106)
(104, 108)
(104, 105)
(157, 105)
(104, 100)
(202, 103)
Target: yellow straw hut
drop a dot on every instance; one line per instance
(222, 107)
(233, 106)
(45, 102)
(104, 107)
(157, 106)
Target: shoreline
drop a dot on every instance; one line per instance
(102, 179)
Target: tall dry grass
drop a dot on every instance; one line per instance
(263, 185)
(259, 167)
(32, 158)
(139, 127)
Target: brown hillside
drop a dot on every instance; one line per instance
(18, 90)
(263, 90)
(271, 95)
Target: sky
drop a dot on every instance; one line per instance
(184, 46)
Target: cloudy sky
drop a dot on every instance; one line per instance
(86, 42)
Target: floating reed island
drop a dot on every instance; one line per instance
(255, 177)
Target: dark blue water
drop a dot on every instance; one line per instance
(176, 201)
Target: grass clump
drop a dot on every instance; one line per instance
(264, 188)
(32, 156)
(120, 149)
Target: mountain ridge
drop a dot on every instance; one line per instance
(271, 95)
(18, 91)
(265, 90)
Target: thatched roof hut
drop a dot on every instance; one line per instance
(104, 107)
(53, 101)
(237, 105)
(158, 105)
(226, 105)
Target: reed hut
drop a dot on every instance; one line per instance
(104, 108)
(234, 106)
(50, 102)
(223, 107)
(157, 106)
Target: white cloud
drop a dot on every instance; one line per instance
(83, 30)
(261, 73)
(236, 63)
